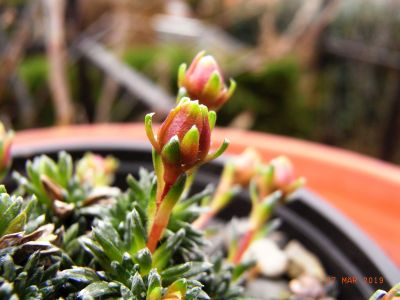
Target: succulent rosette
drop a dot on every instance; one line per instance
(6, 138)
(203, 80)
(96, 170)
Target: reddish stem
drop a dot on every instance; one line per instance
(161, 220)
(243, 245)
(164, 193)
(203, 220)
(155, 234)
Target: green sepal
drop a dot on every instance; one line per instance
(213, 85)
(232, 88)
(184, 100)
(171, 152)
(190, 142)
(148, 125)
(181, 74)
(219, 151)
(212, 119)
(194, 108)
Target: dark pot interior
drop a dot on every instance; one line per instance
(343, 249)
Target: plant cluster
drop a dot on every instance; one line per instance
(67, 233)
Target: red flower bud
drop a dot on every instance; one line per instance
(184, 138)
(5, 150)
(279, 175)
(245, 166)
(204, 81)
(284, 174)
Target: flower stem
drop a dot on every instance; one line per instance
(160, 221)
(166, 201)
(203, 220)
(243, 245)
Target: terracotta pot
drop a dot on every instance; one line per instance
(364, 189)
(353, 187)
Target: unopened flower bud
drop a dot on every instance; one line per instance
(96, 170)
(183, 140)
(245, 166)
(6, 138)
(203, 80)
(284, 174)
(278, 175)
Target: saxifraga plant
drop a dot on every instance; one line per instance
(66, 233)
(139, 244)
(29, 259)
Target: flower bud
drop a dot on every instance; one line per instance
(204, 81)
(284, 174)
(95, 170)
(6, 138)
(245, 166)
(278, 175)
(184, 138)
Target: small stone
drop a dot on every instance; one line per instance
(303, 261)
(279, 238)
(271, 261)
(307, 286)
(266, 289)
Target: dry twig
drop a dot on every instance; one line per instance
(57, 57)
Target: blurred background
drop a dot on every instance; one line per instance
(321, 70)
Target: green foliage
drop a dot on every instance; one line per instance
(104, 254)
(58, 190)
(28, 260)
